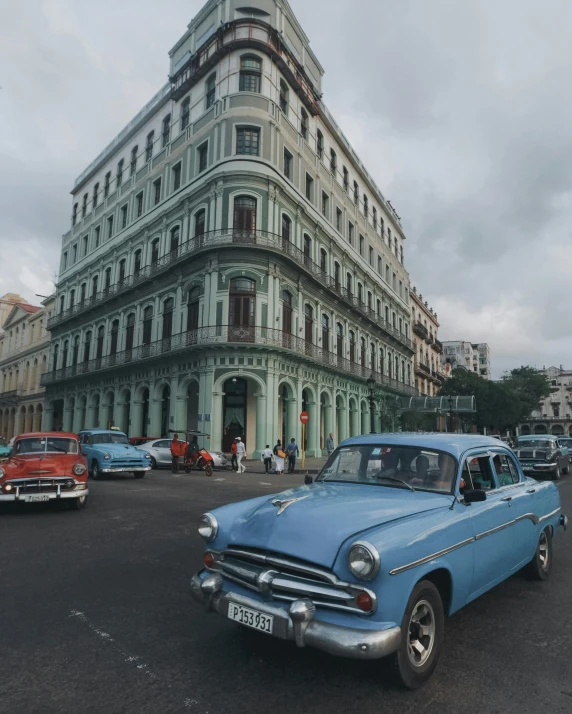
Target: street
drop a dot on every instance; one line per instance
(95, 617)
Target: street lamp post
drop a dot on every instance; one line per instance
(371, 387)
(451, 413)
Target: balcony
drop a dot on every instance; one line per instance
(249, 34)
(422, 370)
(215, 336)
(420, 330)
(438, 346)
(227, 238)
(11, 397)
(438, 377)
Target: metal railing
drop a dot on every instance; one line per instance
(212, 336)
(421, 330)
(224, 238)
(10, 397)
(423, 368)
(438, 346)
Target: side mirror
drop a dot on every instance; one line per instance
(308, 480)
(477, 496)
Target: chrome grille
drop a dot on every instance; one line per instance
(41, 485)
(124, 463)
(278, 577)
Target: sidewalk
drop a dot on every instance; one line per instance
(311, 466)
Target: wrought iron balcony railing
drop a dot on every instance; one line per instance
(423, 369)
(438, 346)
(225, 238)
(213, 336)
(10, 397)
(421, 330)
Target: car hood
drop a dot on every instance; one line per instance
(121, 451)
(314, 527)
(41, 467)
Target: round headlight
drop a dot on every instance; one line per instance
(208, 527)
(106, 456)
(7, 487)
(363, 560)
(79, 469)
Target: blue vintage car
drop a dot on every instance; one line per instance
(109, 452)
(397, 532)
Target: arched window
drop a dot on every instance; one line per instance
(99, 345)
(122, 270)
(185, 113)
(337, 275)
(304, 124)
(107, 283)
(242, 308)
(210, 91)
(193, 310)
(94, 285)
(200, 222)
(349, 284)
(147, 325)
(62, 305)
(55, 364)
(340, 340)
(309, 323)
(168, 307)
(307, 248)
(137, 263)
(284, 97)
(155, 252)
(65, 354)
(120, 172)
(352, 339)
(286, 229)
(130, 332)
(87, 347)
(323, 260)
(174, 243)
(166, 134)
(325, 332)
(82, 293)
(287, 308)
(244, 216)
(360, 292)
(75, 355)
(381, 361)
(250, 74)
(114, 337)
(372, 357)
(363, 352)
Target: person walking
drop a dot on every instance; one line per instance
(233, 452)
(240, 454)
(177, 450)
(330, 447)
(292, 451)
(267, 458)
(279, 457)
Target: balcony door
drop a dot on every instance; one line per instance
(287, 311)
(244, 225)
(242, 310)
(193, 310)
(308, 327)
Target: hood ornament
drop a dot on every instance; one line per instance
(283, 505)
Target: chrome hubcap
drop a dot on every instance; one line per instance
(543, 554)
(421, 633)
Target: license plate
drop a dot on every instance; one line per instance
(36, 498)
(250, 618)
(528, 468)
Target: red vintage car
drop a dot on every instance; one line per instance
(45, 466)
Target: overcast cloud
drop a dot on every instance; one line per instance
(461, 111)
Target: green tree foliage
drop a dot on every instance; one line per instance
(530, 386)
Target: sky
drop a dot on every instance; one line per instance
(461, 112)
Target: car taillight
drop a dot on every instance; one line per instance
(364, 602)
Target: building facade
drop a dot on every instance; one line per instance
(429, 371)
(473, 357)
(231, 263)
(555, 413)
(24, 354)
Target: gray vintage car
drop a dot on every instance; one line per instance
(542, 454)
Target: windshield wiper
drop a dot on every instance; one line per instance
(397, 480)
(57, 448)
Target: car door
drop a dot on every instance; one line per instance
(163, 448)
(494, 554)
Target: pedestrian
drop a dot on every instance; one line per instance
(292, 452)
(279, 457)
(177, 450)
(267, 457)
(233, 459)
(330, 444)
(240, 454)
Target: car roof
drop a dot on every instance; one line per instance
(454, 444)
(60, 434)
(542, 436)
(102, 431)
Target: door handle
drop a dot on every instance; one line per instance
(507, 498)
(531, 490)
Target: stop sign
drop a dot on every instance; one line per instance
(304, 417)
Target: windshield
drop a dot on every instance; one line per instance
(110, 438)
(42, 445)
(536, 443)
(407, 467)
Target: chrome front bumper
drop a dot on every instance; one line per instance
(126, 470)
(51, 496)
(298, 623)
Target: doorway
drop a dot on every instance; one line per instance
(234, 412)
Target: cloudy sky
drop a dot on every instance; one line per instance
(462, 112)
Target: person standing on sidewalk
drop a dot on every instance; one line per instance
(233, 452)
(177, 450)
(292, 452)
(240, 454)
(267, 457)
(330, 447)
(279, 457)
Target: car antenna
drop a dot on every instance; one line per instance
(454, 502)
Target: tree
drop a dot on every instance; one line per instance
(530, 386)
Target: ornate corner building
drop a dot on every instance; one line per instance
(231, 262)
(24, 353)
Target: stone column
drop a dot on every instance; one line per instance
(354, 422)
(136, 427)
(292, 420)
(328, 425)
(313, 430)
(261, 439)
(155, 412)
(47, 420)
(68, 418)
(102, 413)
(77, 419)
(216, 419)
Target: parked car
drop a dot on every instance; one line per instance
(4, 451)
(45, 466)
(160, 452)
(542, 454)
(398, 531)
(139, 440)
(108, 452)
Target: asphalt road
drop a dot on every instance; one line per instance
(95, 617)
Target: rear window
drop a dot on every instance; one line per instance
(42, 445)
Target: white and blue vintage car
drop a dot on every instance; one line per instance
(397, 532)
(108, 451)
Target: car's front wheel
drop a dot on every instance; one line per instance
(76, 504)
(421, 637)
(557, 473)
(540, 566)
(95, 471)
(153, 463)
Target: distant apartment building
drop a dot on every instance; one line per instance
(473, 357)
(429, 371)
(24, 353)
(555, 413)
